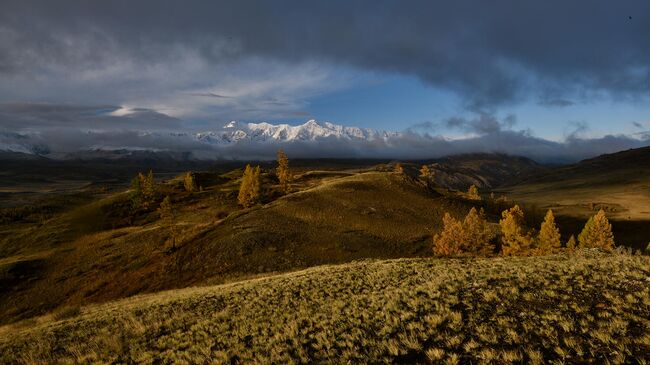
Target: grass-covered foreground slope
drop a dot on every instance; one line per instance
(588, 307)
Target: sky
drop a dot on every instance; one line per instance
(558, 71)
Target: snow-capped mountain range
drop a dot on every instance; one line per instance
(234, 132)
(231, 134)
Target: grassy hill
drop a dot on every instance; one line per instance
(619, 183)
(97, 251)
(587, 308)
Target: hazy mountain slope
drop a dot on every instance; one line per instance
(569, 309)
(485, 170)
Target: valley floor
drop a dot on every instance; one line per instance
(584, 308)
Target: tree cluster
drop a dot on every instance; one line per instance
(473, 235)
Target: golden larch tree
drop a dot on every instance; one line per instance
(249, 189)
(597, 233)
(513, 239)
(425, 172)
(548, 238)
(472, 193)
(149, 186)
(168, 216)
(571, 243)
(283, 172)
(144, 190)
(448, 242)
(477, 233)
(399, 169)
(245, 187)
(189, 182)
(256, 184)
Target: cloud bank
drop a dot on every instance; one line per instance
(30, 131)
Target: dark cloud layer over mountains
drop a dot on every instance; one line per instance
(59, 130)
(69, 68)
(490, 52)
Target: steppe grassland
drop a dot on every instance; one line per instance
(589, 307)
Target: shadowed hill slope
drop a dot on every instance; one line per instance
(485, 170)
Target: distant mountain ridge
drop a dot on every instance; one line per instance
(312, 130)
(232, 133)
(260, 141)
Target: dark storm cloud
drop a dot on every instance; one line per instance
(490, 52)
(94, 62)
(483, 124)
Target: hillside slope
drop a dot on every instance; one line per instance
(366, 215)
(619, 183)
(485, 170)
(93, 253)
(590, 308)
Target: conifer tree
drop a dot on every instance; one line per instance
(584, 238)
(244, 187)
(168, 215)
(448, 242)
(136, 193)
(189, 182)
(597, 233)
(144, 190)
(249, 190)
(399, 169)
(513, 239)
(472, 193)
(571, 243)
(283, 172)
(549, 235)
(476, 233)
(148, 185)
(425, 172)
(256, 185)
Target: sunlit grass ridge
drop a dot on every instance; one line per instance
(590, 306)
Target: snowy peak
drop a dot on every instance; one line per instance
(311, 130)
